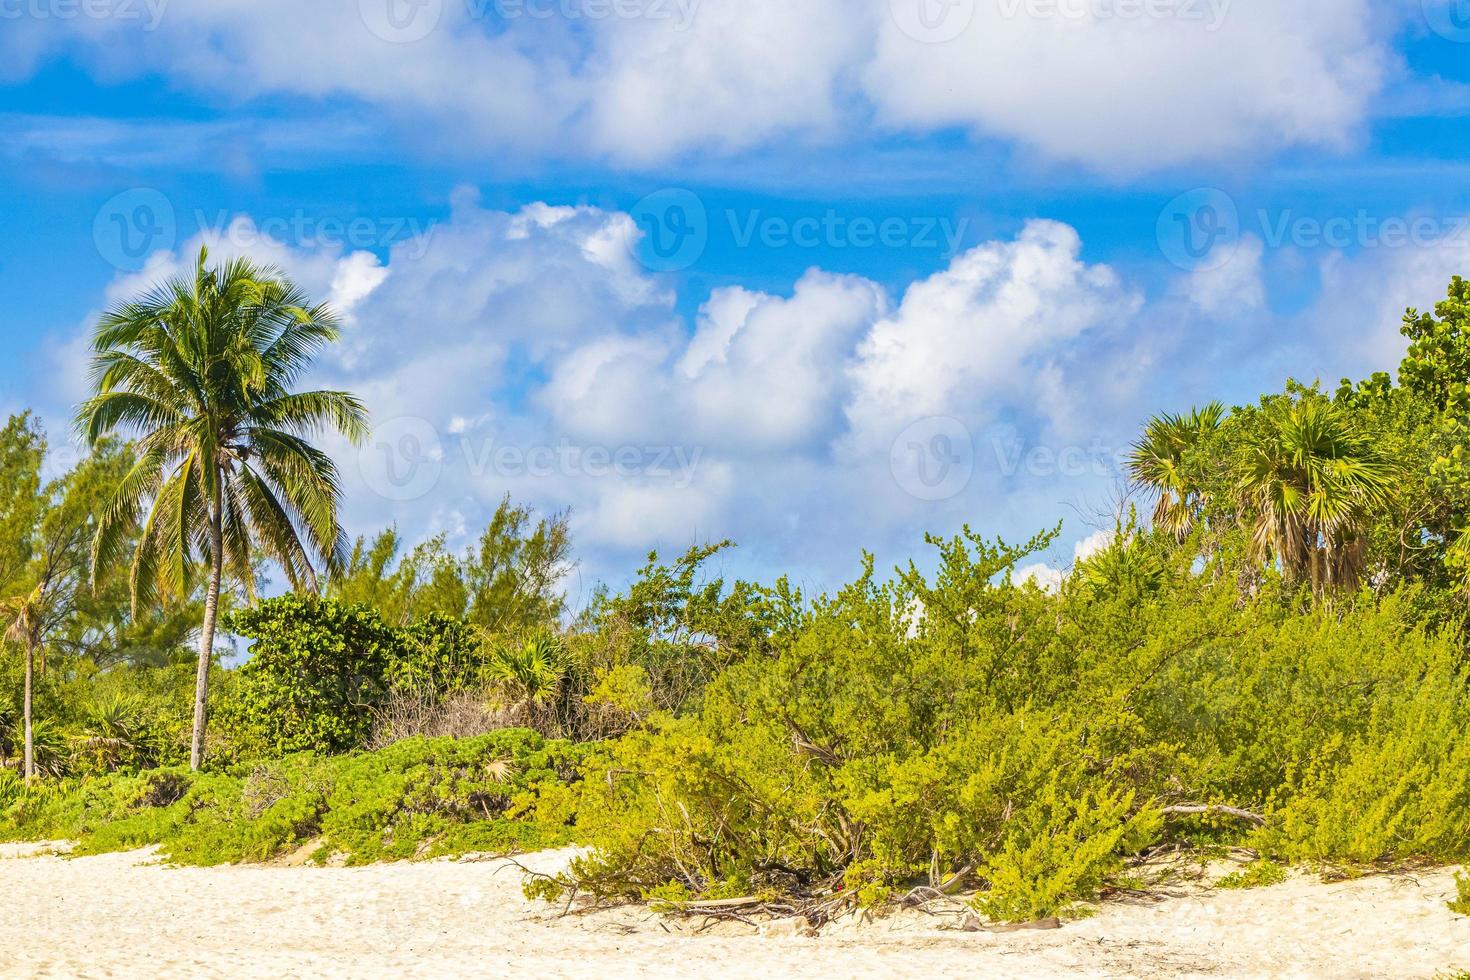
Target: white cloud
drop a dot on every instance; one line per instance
(1231, 285)
(1140, 93)
(1118, 94)
(1093, 543)
(1043, 576)
(522, 353)
(973, 338)
(1363, 298)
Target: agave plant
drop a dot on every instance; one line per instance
(1308, 481)
(1160, 462)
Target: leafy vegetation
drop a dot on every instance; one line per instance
(1273, 656)
(417, 798)
(201, 371)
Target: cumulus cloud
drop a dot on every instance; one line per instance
(1192, 81)
(975, 337)
(1230, 285)
(527, 352)
(1071, 81)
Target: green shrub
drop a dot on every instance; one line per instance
(419, 797)
(908, 732)
(1461, 903)
(318, 669)
(1257, 874)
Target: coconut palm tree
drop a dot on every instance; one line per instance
(1160, 462)
(1308, 481)
(24, 617)
(200, 372)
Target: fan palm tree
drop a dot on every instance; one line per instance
(24, 617)
(1160, 462)
(1308, 481)
(113, 732)
(200, 371)
(530, 672)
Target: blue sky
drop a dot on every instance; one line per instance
(815, 275)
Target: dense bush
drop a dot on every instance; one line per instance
(415, 798)
(319, 670)
(957, 724)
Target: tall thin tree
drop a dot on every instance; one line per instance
(23, 616)
(201, 371)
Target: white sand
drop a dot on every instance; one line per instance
(124, 915)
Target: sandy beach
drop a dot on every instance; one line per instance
(125, 915)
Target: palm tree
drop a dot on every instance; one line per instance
(1160, 461)
(1308, 481)
(113, 732)
(532, 672)
(200, 371)
(24, 617)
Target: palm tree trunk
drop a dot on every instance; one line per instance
(30, 746)
(206, 638)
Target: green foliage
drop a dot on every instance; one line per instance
(507, 584)
(1257, 874)
(1461, 902)
(417, 798)
(1063, 847)
(905, 732)
(530, 672)
(318, 670)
